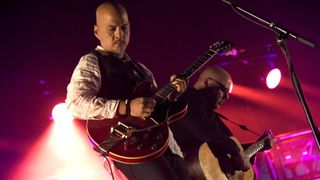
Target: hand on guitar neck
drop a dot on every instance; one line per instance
(143, 106)
(203, 164)
(241, 161)
(269, 140)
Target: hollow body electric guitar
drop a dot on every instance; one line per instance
(133, 140)
(204, 165)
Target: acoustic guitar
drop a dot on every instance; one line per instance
(204, 165)
(133, 140)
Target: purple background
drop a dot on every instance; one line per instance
(42, 41)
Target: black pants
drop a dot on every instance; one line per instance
(169, 166)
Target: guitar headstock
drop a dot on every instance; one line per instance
(220, 46)
(268, 133)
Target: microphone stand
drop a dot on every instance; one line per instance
(283, 34)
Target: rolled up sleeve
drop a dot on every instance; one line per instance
(82, 90)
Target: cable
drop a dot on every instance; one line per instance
(111, 171)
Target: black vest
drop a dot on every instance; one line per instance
(119, 78)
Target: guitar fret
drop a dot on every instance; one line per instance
(192, 69)
(212, 51)
(167, 90)
(255, 148)
(158, 98)
(164, 92)
(207, 56)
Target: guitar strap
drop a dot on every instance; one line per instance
(108, 143)
(243, 127)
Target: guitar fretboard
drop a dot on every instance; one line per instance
(167, 90)
(252, 150)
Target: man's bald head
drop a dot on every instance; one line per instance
(107, 8)
(112, 28)
(216, 73)
(214, 84)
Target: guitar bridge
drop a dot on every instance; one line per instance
(122, 130)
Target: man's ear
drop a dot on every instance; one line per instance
(207, 82)
(96, 31)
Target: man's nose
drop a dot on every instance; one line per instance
(118, 33)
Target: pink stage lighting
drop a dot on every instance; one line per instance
(61, 114)
(294, 156)
(231, 88)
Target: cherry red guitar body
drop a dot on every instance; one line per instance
(144, 139)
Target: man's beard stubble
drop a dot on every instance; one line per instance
(210, 96)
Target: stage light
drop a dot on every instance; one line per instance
(61, 153)
(273, 78)
(61, 114)
(232, 52)
(288, 157)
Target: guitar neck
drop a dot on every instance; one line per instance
(164, 92)
(253, 149)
